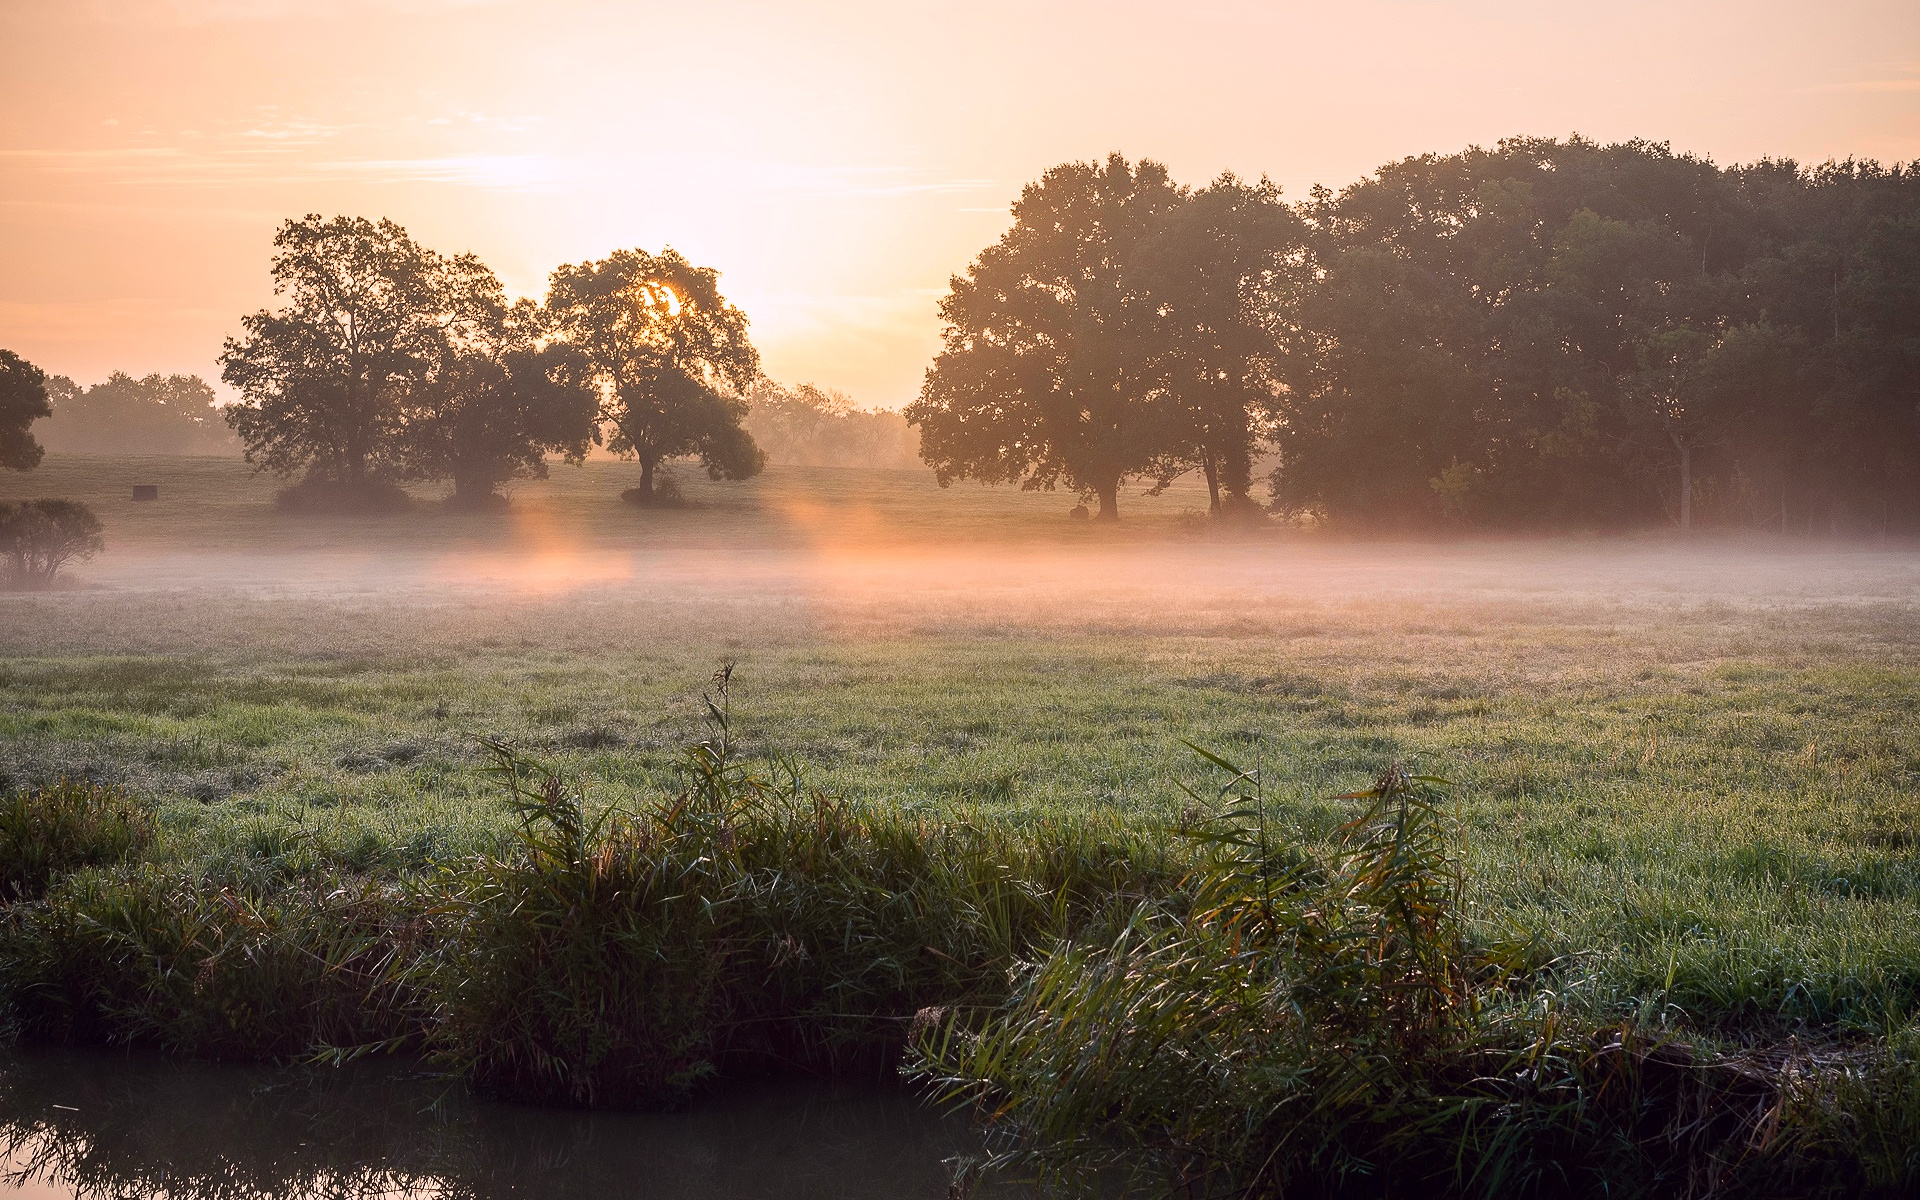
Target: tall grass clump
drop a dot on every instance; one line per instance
(50, 831)
(741, 924)
(1309, 1025)
(152, 956)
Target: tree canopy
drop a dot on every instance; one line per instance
(324, 379)
(391, 363)
(1544, 334)
(495, 402)
(818, 427)
(1561, 333)
(1214, 278)
(1043, 376)
(154, 414)
(23, 400)
(670, 355)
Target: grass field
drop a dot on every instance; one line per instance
(1687, 771)
(1701, 757)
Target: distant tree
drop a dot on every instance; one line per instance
(156, 414)
(1216, 282)
(816, 427)
(324, 379)
(495, 403)
(1668, 399)
(38, 537)
(1042, 376)
(670, 356)
(23, 400)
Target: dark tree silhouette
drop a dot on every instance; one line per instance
(670, 356)
(324, 379)
(1563, 333)
(23, 400)
(38, 537)
(1042, 377)
(494, 403)
(1216, 281)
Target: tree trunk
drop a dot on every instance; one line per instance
(646, 477)
(472, 491)
(1686, 486)
(1109, 493)
(1213, 484)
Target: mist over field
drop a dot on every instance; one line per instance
(855, 600)
(822, 552)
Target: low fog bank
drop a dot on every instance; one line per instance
(577, 597)
(1159, 579)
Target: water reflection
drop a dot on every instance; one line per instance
(80, 1124)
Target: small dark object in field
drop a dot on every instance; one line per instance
(38, 537)
(1079, 512)
(146, 491)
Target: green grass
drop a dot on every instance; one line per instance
(1750, 825)
(1686, 772)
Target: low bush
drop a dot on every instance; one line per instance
(50, 831)
(38, 537)
(742, 924)
(665, 493)
(144, 955)
(1306, 1027)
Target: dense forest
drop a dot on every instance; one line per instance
(1548, 334)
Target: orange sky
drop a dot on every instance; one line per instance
(836, 161)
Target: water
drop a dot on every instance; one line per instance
(79, 1124)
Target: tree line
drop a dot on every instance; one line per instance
(124, 414)
(1548, 334)
(808, 426)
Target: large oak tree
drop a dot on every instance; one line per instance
(23, 400)
(324, 379)
(497, 400)
(670, 355)
(1216, 280)
(1042, 378)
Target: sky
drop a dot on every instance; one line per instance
(837, 162)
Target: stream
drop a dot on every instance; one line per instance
(107, 1124)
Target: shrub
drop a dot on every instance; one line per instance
(664, 494)
(1316, 1027)
(148, 955)
(51, 831)
(38, 537)
(624, 959)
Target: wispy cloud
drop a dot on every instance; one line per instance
(299, 151)
(207, 12)
(502, 172)
(271, 160)
(1904, 77)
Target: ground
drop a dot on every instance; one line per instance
(1688, 768)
